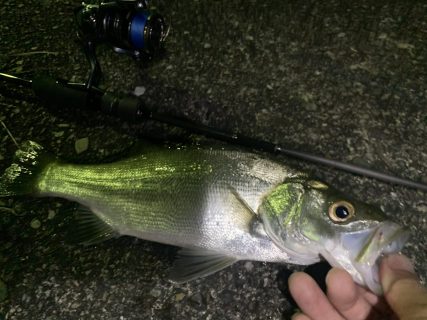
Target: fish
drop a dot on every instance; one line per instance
(220, 204)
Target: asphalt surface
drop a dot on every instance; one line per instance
(346, 80)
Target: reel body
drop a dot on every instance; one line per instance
(129, 27)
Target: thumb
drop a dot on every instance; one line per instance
(402, 289)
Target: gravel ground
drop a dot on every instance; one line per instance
(343, 79)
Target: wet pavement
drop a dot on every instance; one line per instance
(343, 80)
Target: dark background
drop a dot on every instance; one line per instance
(343, 79)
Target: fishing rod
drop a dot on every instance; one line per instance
(133, 28)
(131, 108)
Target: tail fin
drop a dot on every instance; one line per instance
(22, 175)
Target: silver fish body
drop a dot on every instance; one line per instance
(220, 204)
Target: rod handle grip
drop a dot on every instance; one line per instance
(57, 94)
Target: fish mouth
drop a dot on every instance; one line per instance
(369, 246)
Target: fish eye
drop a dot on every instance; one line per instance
(341, 211)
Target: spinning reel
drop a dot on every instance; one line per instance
(129, 27)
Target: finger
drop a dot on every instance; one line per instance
(378, 303)
(346, 297)
(402, 290)
(300, 316)
(311, 300)
(369, 296)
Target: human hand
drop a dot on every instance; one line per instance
(404, 297)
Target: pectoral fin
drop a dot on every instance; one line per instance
(238, 202)
(196, 263)
(88, 229)
(242, 215)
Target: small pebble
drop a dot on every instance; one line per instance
(155, 293)
(51, 214)
(265, 283)
(139, 91)
(81, 145)
(249, 266)
(58, 134)
(310, 107)
(197, 298)
(35, 223)
(179, 296)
